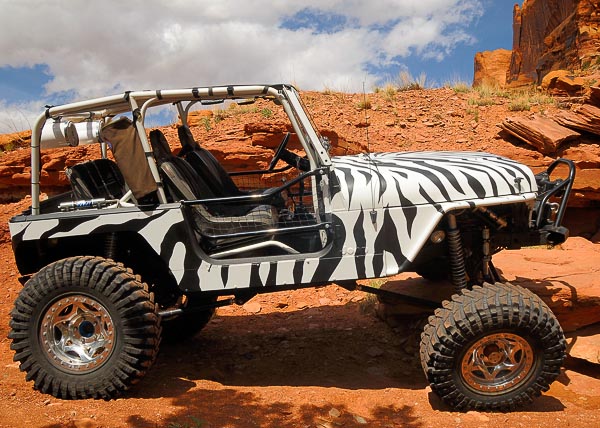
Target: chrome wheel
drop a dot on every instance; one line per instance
(77, 333)
(497, 363)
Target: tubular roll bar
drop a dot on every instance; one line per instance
(101, 108)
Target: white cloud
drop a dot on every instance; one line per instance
(18, 116)
(97, 48)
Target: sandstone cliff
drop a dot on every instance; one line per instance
(551, 35)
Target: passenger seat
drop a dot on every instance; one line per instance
(99, 178)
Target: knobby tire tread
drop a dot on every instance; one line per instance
(470, 315)
(134, 308)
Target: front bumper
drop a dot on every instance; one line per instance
(551, 203)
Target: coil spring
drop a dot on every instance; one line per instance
(110, 246)
(458, 270)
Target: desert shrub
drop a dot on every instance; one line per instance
(406, 82)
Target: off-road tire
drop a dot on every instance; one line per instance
(84, 327)
(516, 338)
(187, 325)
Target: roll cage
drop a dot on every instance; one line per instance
(102, 111)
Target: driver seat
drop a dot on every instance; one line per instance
(221, 222)
(206, 165)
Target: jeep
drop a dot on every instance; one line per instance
(150, 240)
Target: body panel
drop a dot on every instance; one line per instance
(411, 179)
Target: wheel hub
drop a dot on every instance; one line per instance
(497, 363)
(77, 333)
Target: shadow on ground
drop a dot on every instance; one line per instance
(330, 346)
(234, 409)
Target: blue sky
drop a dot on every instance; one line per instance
(56, 51)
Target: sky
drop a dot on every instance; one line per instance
(58, 51)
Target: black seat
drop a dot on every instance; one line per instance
(220, 221)
(206, 165)
(183, 182)
(99, 178)
(212, 172)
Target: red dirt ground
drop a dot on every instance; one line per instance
(307, 358)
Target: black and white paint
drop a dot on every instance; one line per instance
(384, 207)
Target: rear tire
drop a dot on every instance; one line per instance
(84, 327)
(494, 347)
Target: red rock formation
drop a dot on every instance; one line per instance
(491, 67)
(553, 34)
(576, 303)
(549, 35)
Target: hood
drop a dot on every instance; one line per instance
(417, 178)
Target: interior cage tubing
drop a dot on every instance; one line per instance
(139, 126)
(36, 136)
(259, 171)
(114, 104)
(567, 184)
(256, 198)
(457, 257)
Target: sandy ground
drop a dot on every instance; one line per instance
(307, 358)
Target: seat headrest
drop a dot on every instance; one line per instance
(188, 144)
(160, 146)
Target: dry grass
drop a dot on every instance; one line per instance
(406, 82)
(519, 104)
(369, 304)
(364, 104)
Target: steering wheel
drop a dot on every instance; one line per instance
(279, 150)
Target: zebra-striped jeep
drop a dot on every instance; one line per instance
(149, 241)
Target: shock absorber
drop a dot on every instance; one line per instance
(458, 270)
(110, 246)
(487, 258)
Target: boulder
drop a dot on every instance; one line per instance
(584, 118)
(567, 278)
(540, 132)
(585, 344)
(594, 97)
(563, 83)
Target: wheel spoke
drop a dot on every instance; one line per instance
(513, 349)
(497, 362)
(477, 365)
(80, 351)
(78, 333)
(64, 330)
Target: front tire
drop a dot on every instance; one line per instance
(84, 327)
(494, 347)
